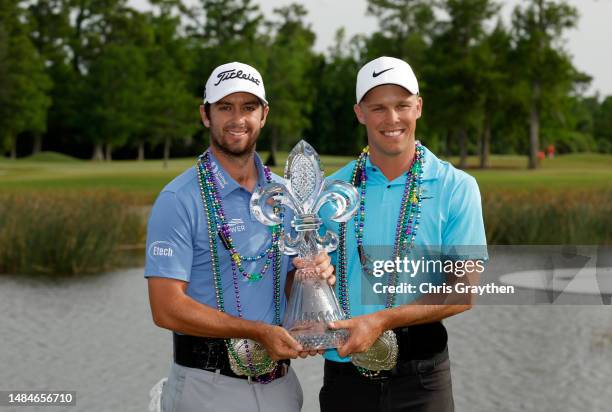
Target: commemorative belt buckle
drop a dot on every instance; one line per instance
(382, 356)
(244, 352)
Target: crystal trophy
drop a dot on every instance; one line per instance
(312, 304)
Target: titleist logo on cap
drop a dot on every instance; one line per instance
(232, 74)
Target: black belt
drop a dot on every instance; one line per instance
(411, 367)
(210, 354)
(408, 362)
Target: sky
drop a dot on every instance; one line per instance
(588, 44)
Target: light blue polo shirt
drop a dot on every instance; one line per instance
(451, 215)
(178, 245)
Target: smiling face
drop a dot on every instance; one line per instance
(389, 113)
(235, 122)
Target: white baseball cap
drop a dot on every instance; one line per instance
(232, 78)
(385, 70)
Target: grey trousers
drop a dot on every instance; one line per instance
(196, 390)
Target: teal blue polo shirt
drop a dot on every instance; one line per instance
(451, 215)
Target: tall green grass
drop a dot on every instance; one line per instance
(67, 233)
(548, 217)
(90, 232)
(73, 217)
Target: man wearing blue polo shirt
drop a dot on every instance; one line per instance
(216, 275)
(410, 198)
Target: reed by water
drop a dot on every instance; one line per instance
(580, 217)
(67, 233)
(89, 232)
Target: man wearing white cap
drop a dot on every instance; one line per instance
(216, 275)
(409, 198)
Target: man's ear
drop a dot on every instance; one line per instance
(264, 115)
(359, 113)
(419, 107)
(204, 117)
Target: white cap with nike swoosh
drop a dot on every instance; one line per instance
(385, 70)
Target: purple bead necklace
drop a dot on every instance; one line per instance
(406, 227)
(218, 229)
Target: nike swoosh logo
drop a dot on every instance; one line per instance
(374, 74)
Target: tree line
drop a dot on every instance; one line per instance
(100, 79)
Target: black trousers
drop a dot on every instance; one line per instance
(415, 385)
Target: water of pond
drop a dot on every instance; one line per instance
(95, 336)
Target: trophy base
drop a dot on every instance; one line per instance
(327, 340)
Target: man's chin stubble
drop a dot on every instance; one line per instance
(248, 150)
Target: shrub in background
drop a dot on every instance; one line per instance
(77, 233)
(69, 233)
(579, 217)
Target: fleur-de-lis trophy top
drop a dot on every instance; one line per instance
(312, 303)
(305, 191)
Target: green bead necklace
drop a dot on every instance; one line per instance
(218, 229)
(406, 227)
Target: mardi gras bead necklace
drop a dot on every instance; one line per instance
(406, 227)
(224, 230)
(255, 361)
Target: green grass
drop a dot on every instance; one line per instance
(141, 179)
(144, 180)
(567, 172)
(53, 157)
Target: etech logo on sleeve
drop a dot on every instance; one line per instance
(161, 249)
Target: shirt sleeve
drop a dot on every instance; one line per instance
(464, 233)
(169, 239)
